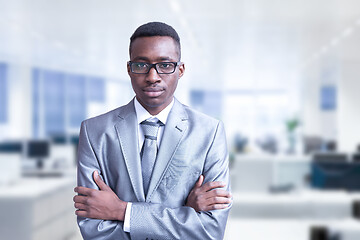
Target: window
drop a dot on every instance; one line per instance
(95, 89)
(328, 98)
(76, 99)
(54, 102)
(60, 100)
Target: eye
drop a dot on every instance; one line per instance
(140, 65)
(164, 65)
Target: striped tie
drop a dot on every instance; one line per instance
(149, 150)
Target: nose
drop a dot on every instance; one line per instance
(153, 76)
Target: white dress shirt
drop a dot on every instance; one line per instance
(142, 114)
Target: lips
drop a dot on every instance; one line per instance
(153, 91)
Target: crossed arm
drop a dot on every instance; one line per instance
(105, 204)
(101, 212)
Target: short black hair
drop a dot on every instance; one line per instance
(153, 29)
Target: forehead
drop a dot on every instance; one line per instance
(154, 48)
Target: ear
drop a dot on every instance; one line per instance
(181, 70)
(128, 68)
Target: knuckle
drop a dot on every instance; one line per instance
(87, 201)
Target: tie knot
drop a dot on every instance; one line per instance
(150, 129)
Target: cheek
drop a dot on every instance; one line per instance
(174, 85)
(135, 83)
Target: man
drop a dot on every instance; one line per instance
(171, 183)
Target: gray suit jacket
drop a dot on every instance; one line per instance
(192, 144)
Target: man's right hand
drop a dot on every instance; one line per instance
(209, 196)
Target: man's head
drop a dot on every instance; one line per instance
(153, 29)
(154, 66)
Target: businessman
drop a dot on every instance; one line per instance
(154, 168)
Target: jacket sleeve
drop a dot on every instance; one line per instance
(87, 163)
(156, 221)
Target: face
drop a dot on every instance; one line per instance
(155, 91)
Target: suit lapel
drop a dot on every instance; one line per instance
(127, 133)
(174, 130)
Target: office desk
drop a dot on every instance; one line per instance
(305, 204)
(37, 209)
(288, 229)
(260, 173)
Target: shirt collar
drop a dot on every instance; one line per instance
(142, 114)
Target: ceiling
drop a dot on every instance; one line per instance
(222, 41)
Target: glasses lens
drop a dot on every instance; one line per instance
(139, 67)
(161, 68)
(165, 67)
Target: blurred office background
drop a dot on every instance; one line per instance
(282, 76)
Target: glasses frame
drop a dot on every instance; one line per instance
(153, 65)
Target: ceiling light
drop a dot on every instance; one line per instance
(358, 21)
(324, 49)
(334, 41)
(347, 32)
(174, 4)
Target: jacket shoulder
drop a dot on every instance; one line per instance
(108, 118)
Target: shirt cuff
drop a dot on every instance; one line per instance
(127, 217)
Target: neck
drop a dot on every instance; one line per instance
(155, 110)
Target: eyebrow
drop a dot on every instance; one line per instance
(161, 59)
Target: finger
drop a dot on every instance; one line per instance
(218, 200)
(217, 193)
(80, 199)
(99, 182)
(81, 213)
(83, 190)
(211, 185)
(214, 207)
(200, 181)
(219, 206)
(80, 206)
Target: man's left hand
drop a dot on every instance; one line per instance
(208, 196)
(99, 204)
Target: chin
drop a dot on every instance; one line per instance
(154, 104)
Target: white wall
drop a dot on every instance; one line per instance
(349, 108)
(20, 102)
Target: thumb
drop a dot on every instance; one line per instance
(200, 181)
(99, 182)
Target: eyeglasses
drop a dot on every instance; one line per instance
(161, 67)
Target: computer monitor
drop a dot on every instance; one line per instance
(335, 175)
(11, 147)
(74, 139)
(312, 144)
(356, 157)
(330, 157)
(38, 150)
(59, 139)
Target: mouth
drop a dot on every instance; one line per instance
(153, 91)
